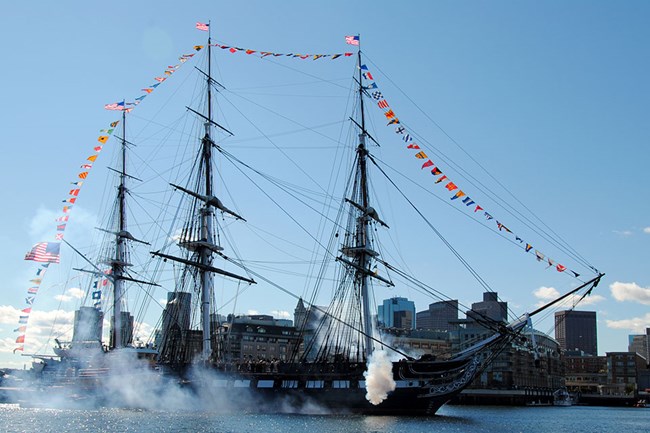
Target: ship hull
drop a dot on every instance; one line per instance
(401, 402)
(416, 389)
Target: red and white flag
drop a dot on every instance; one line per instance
(46, 252)
(352, 40)
(201, 26)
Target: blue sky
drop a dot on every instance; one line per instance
(550, 97)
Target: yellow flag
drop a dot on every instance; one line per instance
(92, 158)
(102, 138)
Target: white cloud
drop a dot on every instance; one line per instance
(9, 314)
(71, 293)
(636, 325)
(281, 314)
(646, 230)
(42, 326)
(7, 345)
(252, 312)
(624, 233)
(547, 294)
(630, 292)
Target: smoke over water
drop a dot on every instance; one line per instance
(132, 383)
(379, 377)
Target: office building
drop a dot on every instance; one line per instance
(439, 316)
(576, 331)
(397, 313)
(490, 307)
(639, 344)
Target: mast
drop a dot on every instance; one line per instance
(207, 213)
(120, 262)
(362, 240)
(202, 249)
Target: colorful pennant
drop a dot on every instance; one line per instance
(292, 55)
(390, 115)
(49, 252)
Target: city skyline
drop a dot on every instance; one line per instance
(549, 98)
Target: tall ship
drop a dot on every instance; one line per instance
(203, 251)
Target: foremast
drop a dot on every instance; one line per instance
(364, 221)
(120, 262)
(359, 245)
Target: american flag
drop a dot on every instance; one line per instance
(201, 26)
(47, 252)
(352, 40)
(115, 106)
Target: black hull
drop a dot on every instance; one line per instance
(421, 388)
(401, 402)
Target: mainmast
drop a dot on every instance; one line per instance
(207, 214)
(204, 247)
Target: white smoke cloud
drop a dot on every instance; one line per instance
(630, 292)
(379, 377)
(41, 224)
(546, 294)
(636, 325)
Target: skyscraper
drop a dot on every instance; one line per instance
(576, 331)
(397, 313)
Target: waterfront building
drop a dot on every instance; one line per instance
(440, 316)
(396, 313)
(249, 338)
(576, 330)
(623, 369)
(418, 342)
(522, 366)
(585, 374)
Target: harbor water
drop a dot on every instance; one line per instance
(14, 419)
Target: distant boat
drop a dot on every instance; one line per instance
(561, 397)
(342, 364)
